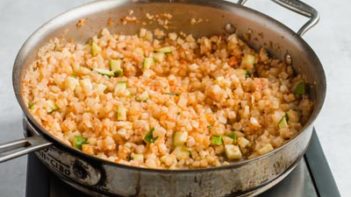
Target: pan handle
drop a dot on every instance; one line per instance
(21, 147)
(300, 8)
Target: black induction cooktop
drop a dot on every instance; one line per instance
(311, 178)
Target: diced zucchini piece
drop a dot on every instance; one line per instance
(71, 83)
(168, 159)
(75, 67)
(78, 141)
(115, 66)
(74, 75)
(149, 137)
(248, 60)
(217, 140)
(160, 57)
(265, 149)
(121, 113)
(31, 105)
(95, 49)
(247, 74)
(53, 108)
(232, 152)
(105, 72)
(101, 88)
(121, 89)
(243, 142)
(283, 123)
(181, 153)
(86, 85)
(121, 85)
(165, 50)
(222, 82)
(138, 157)
(148, 62)
(138, 52)
(299, 88)
(233, 136)
(142, 97)
(179, 138)
(219, 80)
(227, 140)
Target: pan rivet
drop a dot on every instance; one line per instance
(79, 170)
(229, 28)
(288, 59)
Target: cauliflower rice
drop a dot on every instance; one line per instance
(170, 101)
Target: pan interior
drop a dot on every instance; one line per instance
(217, 16)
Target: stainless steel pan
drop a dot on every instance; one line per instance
(100, 177)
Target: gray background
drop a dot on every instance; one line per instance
(330, 39)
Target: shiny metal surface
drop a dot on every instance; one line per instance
(240, 178)
(297, 179)
(300, 8)
(17, 148)
(70, 166)
(298, 183)
(302, 181)
(42, 183)
(303, 9)
(21, 147)
(241, 2)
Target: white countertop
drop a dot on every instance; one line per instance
(330, 39)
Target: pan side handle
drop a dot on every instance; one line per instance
(300, 8)
(17, 148)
